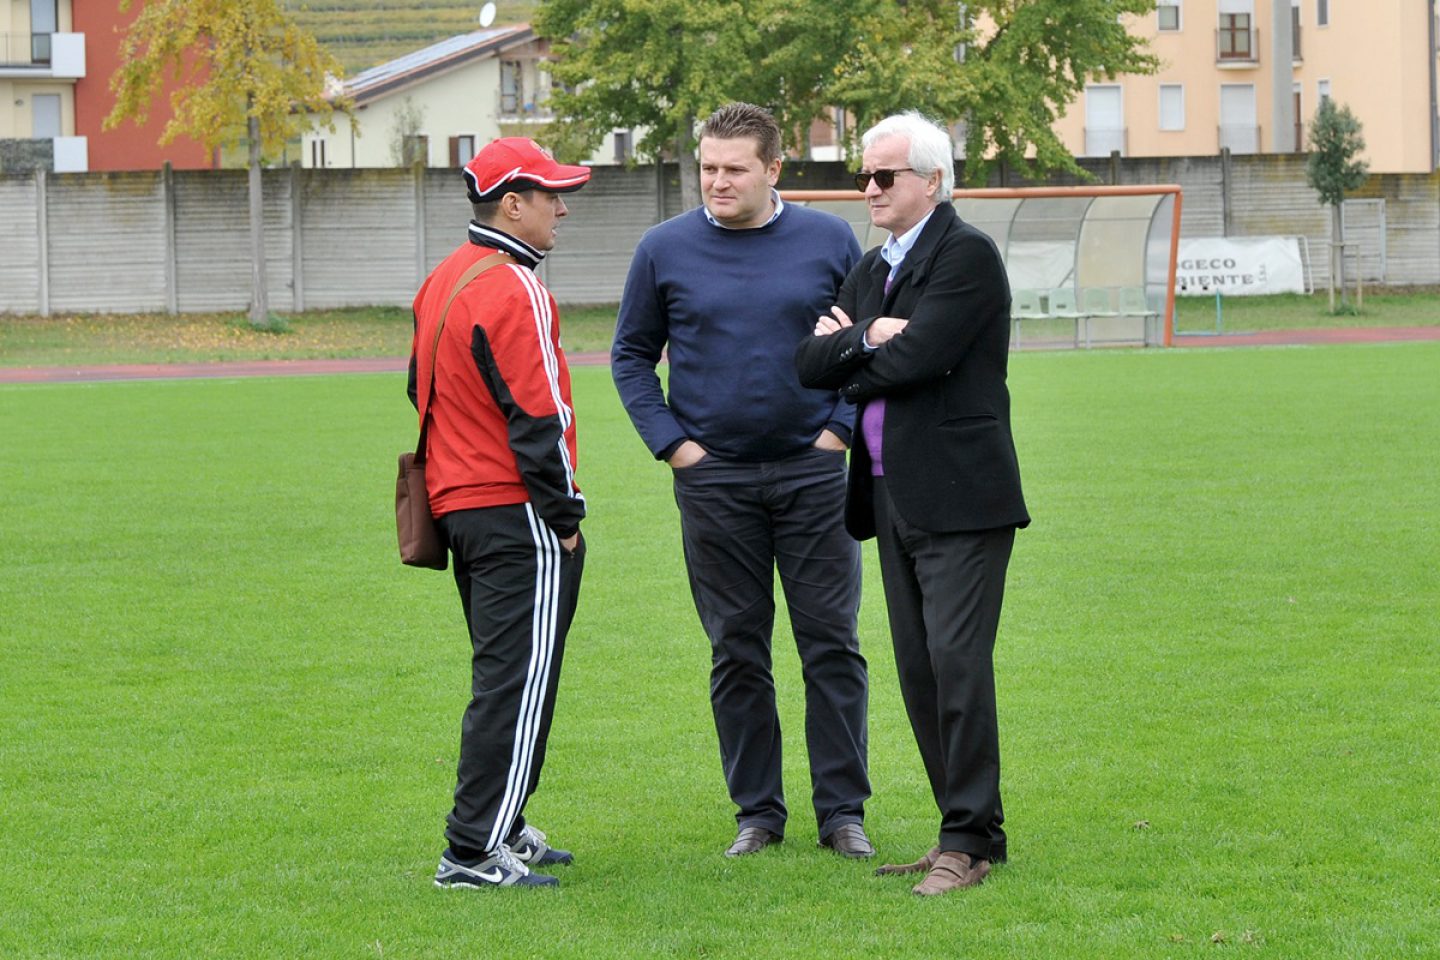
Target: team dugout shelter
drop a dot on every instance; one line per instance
(1088, 266)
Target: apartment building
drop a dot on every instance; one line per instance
(56, 60)
(1247, 75)
(41, 58)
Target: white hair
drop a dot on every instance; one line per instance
(930, 146)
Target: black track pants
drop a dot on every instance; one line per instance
(519, 588)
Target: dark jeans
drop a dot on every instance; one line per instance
(943, 592)
(519, 589)
(739, 523)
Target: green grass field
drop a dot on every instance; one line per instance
(77, 340)
(1393, 307)
(230, 716)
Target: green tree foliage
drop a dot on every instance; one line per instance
(1006, 68)
(655, 65)
(1332, 170)
(238, 71)
(231, 61)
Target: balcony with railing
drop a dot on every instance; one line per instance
(1237, 43)
(24, 49)
(524, 93)
(511, 107)
(58, 55)
(1103, 141)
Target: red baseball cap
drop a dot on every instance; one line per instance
(518, 163)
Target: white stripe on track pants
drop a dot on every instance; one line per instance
(519, 589)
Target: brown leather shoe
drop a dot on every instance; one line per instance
(951, 872)
(922, 865)
(751, 840)
(849, 840)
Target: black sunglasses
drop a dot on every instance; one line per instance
(884, 179)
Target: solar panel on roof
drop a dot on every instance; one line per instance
(435, 53)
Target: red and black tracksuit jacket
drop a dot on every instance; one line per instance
(502, 426)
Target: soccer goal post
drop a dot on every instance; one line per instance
(1088, 266)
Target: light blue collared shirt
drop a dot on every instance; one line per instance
(896, 249)
(779, 207)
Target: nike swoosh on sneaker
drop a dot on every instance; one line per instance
(493, 875)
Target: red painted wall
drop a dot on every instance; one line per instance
(129, 146)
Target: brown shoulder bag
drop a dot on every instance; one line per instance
(420, 542)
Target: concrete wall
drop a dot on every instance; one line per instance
(177, 241)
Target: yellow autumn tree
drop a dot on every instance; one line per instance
(239, 71)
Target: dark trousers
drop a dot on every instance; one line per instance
(739, 523)
(943, 592)
(519, 588)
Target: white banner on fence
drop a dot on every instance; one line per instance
(1239, 266)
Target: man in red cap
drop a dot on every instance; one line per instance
(492, 388)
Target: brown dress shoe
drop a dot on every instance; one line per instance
(922, 865)
(951, 872)
(849, 840)
(751, 840)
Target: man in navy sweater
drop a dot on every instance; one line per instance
(731, 288)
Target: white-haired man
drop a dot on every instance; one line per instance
(933, 472)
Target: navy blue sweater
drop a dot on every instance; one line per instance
(731, 305)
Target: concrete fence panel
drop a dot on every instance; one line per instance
(105, 242)
(212, 240)
(20, 240)
(360, 234)
(1412, 223)
(162, 241)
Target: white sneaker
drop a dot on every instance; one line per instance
(500, 869)
(530, 847)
